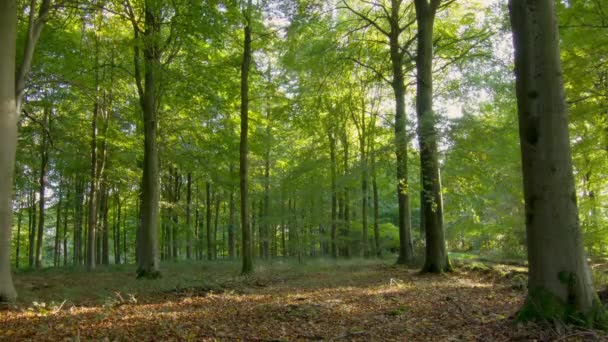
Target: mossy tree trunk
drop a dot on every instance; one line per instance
(560, 285)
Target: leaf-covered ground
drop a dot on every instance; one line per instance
(322, 300)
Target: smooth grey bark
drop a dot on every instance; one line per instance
(436, 257)
(244, 147)
(12, 89)
(559, 283)
(8, 142)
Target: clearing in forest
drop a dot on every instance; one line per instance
(282, 301)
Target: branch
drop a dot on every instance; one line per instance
(35, 26)
(41, 124)
(136, 53)
(374, 70)
(365, 18)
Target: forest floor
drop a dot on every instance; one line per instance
(319, 300)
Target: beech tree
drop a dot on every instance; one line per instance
(8, 141)
(247, 247)
(559, 283)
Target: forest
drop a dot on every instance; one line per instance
(278, 170)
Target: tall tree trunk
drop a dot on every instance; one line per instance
(56, 247)
(78, 223)
(377, 247)
(334, 195)
(436, 256)
(559, 284)
(148, 261)
(346, 232)
(19, 221)
(93, 187)
(208, 204)
(188, 221)
(44, 157)
(364, 179)
(175, 226)
(406, 250)
(231, 227)
(12, 90)
(197, 230)
(215, 223)
(8, 142)
(244, 147)
(105, 243)
(32, 232)
(118, 223)
(65, 225)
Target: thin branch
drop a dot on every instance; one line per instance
(365, 18)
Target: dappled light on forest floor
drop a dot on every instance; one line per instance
(374, 301)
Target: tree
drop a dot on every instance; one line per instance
(247, 252)
(436, 257)
(148, 257)
(391, 28)
(8, 141)
(9, 114)
(559, 284)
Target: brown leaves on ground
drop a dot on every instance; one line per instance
(281, 302)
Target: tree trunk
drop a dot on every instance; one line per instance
(377, 247)
(117, 236)
(208, 204)
(105, 242)
(334, 195)
(175, 217)
(8, 142)
(92, 210)
(78, 223)
(42, 183)
(32, 232)
(19, 221)
(65, 226)
(406, 254)
(364, 180)
(188, 221)
(56, 251)
(559, 284)
(346, 231)
(215, 223)
(436, 256)
(244, 147)
(148, 261)
(231, 226)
